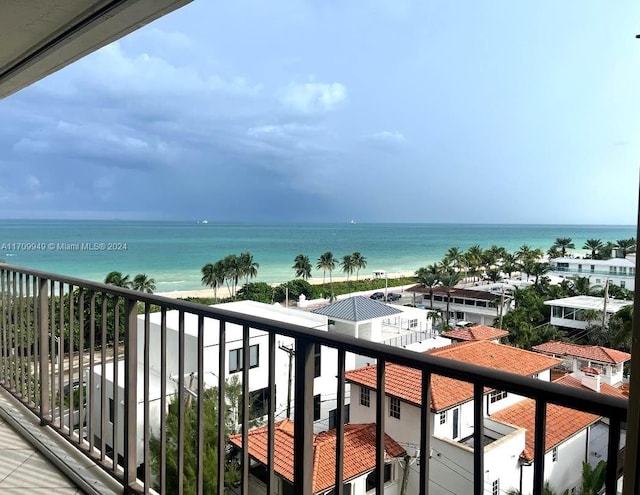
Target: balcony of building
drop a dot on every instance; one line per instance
(64, 334)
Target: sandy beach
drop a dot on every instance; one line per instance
(223, 292)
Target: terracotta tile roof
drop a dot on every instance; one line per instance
(562, 423)
(406, 383)
(359, 451)
(476, 332)
(605, 388)
(591, 352)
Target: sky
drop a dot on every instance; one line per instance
(306, 111)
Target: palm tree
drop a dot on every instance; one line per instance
(627, 246)
(326, 262)
(538, 270)
(213, 276)
(248, 267)
(347, 265)
(494, 275)
(509, 263)
(564, 243)
(359, 262)
(453, 256)
(581, 286)
(449, 281)
(427, 279)
(525, 253)
(302, 266)
(594, 245)
(117, 279)
(143, 283)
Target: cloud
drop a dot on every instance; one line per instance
(389, 137)
(313, 97)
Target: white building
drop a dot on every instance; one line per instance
(359, 460)
(619, 271)
(609, 363)
(325, 383)
(471, 305)
(394, 325)
(569, 312)
(508, 423)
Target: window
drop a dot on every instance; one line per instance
(554, 454)
(598, 281)
(497, 395)
(317, 361)
(413, 323)
(235, 358)
(443, 417)
(365, 397)
(394, 408)
(333, 415)
(495, 487)
(622, 284)
(372, 481)
(316, 407)
(593, 268)
(579, 268)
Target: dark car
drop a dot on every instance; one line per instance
(392, 296)
(377, 295)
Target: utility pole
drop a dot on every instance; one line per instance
(291, 353)
(604, 305)
(501, 308)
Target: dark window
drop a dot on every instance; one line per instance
(443, 417)
(316, 407)
(235, 358)
(372, 479)
(333, 414)
(365, 397)
(497, 395)
(394, 408)
(317, 360)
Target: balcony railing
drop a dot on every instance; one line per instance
(585, 272)
(62, 340)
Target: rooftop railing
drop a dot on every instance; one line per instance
(56, 331)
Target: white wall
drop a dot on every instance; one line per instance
(566, 472)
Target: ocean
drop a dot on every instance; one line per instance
(174, 252)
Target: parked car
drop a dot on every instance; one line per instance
(377, 295)
(392, 296)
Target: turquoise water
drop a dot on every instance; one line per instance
(174, 252)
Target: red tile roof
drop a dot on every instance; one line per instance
(406, 383)
(591, 352)
(605, 388)
(476, 332)
(359, 451)
(562, 423)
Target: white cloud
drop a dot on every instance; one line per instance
(389, 136)
(313, 97)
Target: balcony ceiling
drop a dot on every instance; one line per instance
(38, 37)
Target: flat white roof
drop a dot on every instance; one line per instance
(590, 302)
(243, 308)
(612, 262)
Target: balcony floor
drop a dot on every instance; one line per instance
(24, 470)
